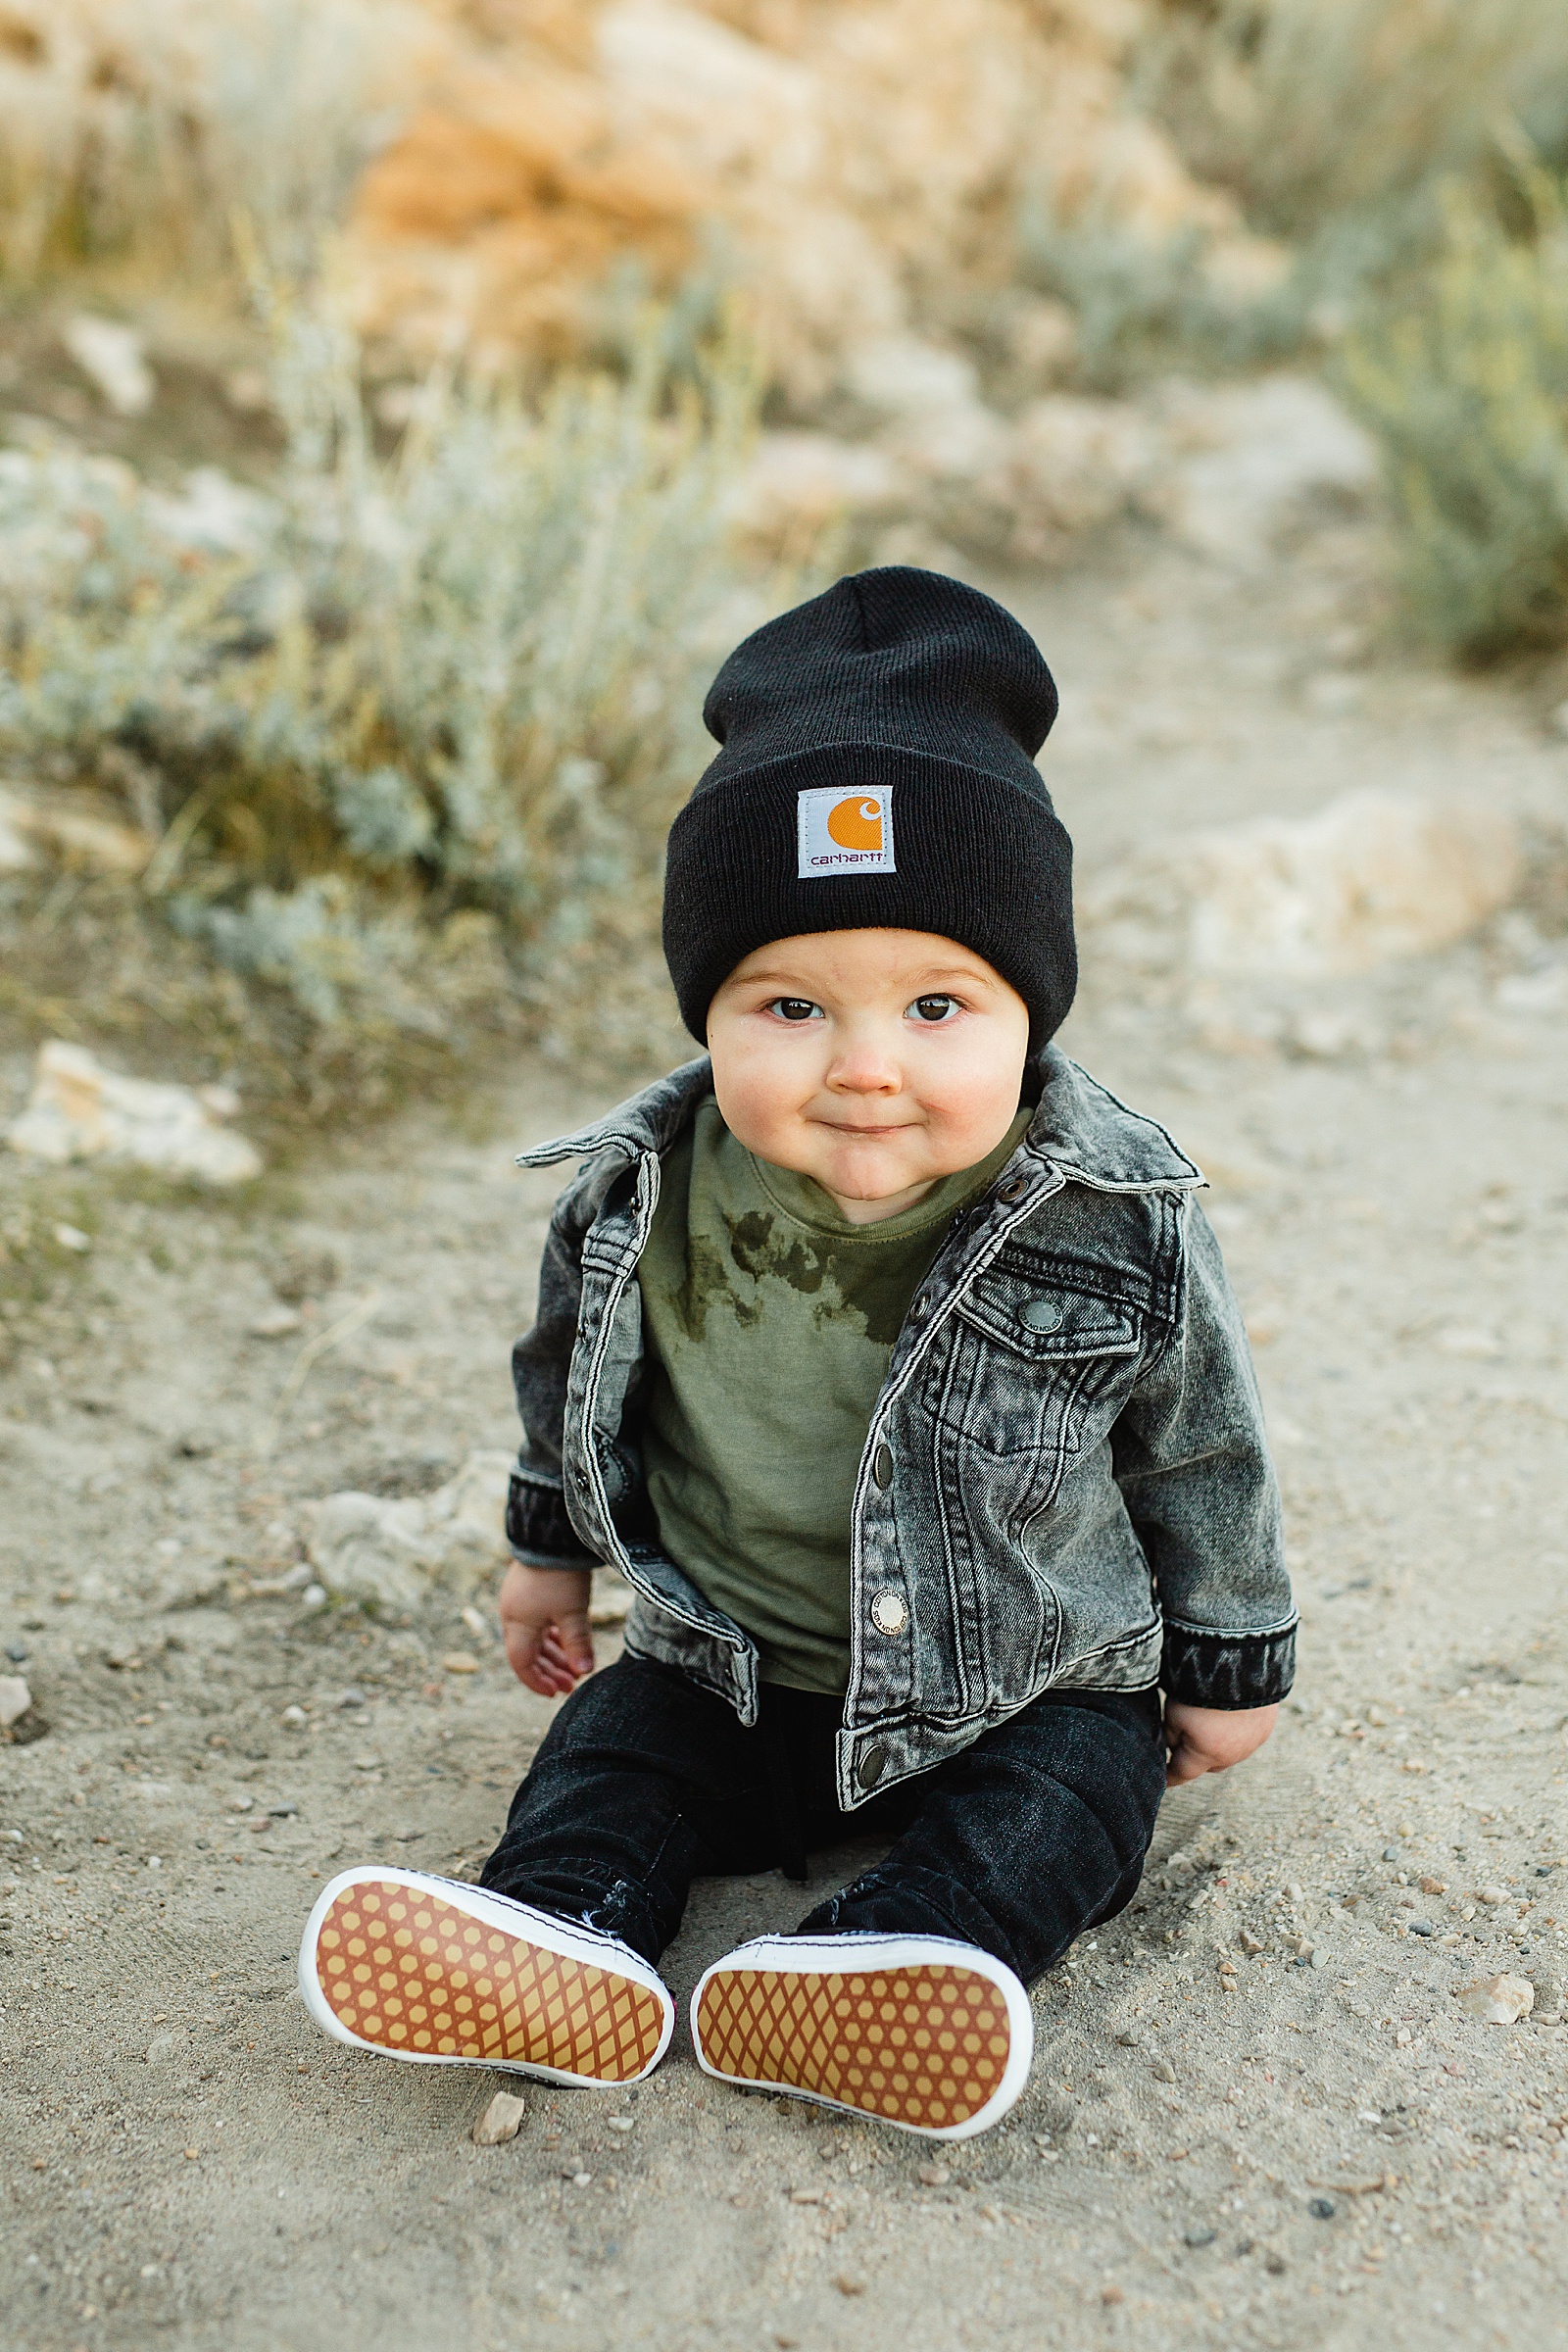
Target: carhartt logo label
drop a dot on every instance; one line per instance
(846, 833)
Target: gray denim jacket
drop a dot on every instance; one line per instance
(1065, 1481)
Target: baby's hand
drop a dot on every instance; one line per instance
(544, 1623)
(1211, 1738)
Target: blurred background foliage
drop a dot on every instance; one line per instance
(381, 386)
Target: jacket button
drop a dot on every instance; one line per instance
(872, 1765)
(882, 1467)
(918, 1306)
(888, 1613)
(582, 1478)
(1041, 1314)
(1014, 1188)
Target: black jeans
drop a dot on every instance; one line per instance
(645, 1782)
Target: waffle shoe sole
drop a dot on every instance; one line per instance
(931, 2036)
(444, 1974)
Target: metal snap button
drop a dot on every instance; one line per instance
(888, 1613)
(872, 1765)
(582, 1479)
(1012, 1189)
(918, 1306)
(882, 1467)
(1041, 1314)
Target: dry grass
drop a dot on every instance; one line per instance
(1311, 109)
(139, 130)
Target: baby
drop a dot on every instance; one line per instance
(892, 1363)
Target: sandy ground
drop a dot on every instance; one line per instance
(1310, 2145)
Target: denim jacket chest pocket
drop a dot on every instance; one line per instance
(1029, 1353)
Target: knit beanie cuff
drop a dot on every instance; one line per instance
(855, 836)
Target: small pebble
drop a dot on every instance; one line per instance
(849, 2284)
(933, 2175)
(1112, 2294)
(1165, 2072)
(501, 2121)
(275, 1323)
(293, 1717)
(620, 2123)
(1130, 2040)
(805, 2196)
(1391, 1853)
(72, 1237)
(1199, 2237)
(1321, 2209)
(458, 1661)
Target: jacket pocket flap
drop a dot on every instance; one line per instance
(1046, 1321)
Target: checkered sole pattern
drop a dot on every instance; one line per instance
(413, 1969)
(907, 2031)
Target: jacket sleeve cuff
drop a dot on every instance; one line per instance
(538, 1529)
(1227, 1670)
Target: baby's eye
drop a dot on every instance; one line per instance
(933, 1011)
(794, 1008)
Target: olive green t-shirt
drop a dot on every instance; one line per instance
(770, 1320)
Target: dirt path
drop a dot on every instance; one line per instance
(1198, 2159)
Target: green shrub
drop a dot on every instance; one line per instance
(1466, 384)
(1312, 108)
(410, 727)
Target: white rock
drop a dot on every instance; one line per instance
(77, 836)
(80, 1110)
(1073, 465)
(114, 358)
(364, 1547)
(1373, 877)
(797, 482)
(501, 2121)
(15, 1699)
(1245, 455)
(275, 1323)
(1498, 2000)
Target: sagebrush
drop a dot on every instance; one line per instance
(408, 722)
(1466, 382)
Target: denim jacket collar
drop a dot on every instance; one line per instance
(1079, 1128)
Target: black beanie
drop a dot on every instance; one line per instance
(878, 772)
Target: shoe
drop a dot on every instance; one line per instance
(935, 2036)
(450, 1975)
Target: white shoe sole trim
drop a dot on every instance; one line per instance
(510, 1918)
(845, 1955)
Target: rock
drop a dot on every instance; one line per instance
(1497, 2000)
(15, 1699)
(1322, 2209)
(1246, 456)
(460, 1661)
(1372, 877)
(1199, 2237)
(1163, 2071)
(390, 1553)
(68, 832)
(797, 483)
(501, 2121)
(80, 1110)
(933, 2175)
(848, 2284)
(1492, 1894)
(275, 1323)
(114, 358)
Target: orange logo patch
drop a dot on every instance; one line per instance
(856, 823)
(846, 832)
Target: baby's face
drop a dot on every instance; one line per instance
(873, 1061)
